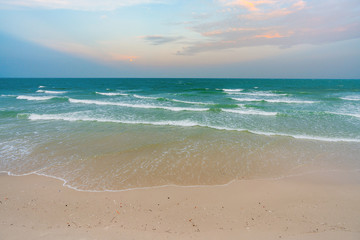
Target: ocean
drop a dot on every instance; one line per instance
(118, 134)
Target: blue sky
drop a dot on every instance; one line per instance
(173, 38)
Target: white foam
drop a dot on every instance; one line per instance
(233, 90)
(41, 86)
(51, 92)
(248, 99)
(250, 112)
(144, 97)
(346, 114)
(6, 95)
(325, 139)
(184, 123)
(351, 98)
(112, 94)
(264, 94)
(271, 100)
(34, 98)
(287, 101)
(189, 102)
(145, 106)
(305, 137)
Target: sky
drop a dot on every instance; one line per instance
(180, 38)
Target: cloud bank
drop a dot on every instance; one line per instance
(282, 23)
(159, 40)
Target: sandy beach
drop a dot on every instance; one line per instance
(312, 206)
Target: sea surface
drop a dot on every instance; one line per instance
(117, 134)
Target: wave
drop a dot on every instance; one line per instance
(304, 137)
(287, 101)
(51, 92)
(186, 123)
(112, 94)
(250, 112)
(264, 94)
(8, 95)
(41, 86)
(176, 109)
(9, 114)
(35, 98)
(189, 102)
(351, 98)
(233, 90)
(144, 97)
(346, 114)
(271, 100)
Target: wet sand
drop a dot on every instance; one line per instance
(313, 206)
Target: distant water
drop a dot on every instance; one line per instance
(114, 134)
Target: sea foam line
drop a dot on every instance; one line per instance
(144, 97)
(345, 114)
(270, 100)
(51, 92)
(351, 98)
(66, 184)
(264, 94)
(176, 109)
(233, 90)
(35, 98)
(189, 102)
(8, 95)
(250, 112)
(186, 123)
(111, 94)
(304, 137)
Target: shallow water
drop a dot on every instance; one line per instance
(114, 134)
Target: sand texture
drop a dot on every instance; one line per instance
(312, 206)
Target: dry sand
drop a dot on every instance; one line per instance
(312, 206)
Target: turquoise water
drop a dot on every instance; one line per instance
(113, 134)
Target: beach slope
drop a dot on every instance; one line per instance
(312, 206)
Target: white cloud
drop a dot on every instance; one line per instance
(81, 5)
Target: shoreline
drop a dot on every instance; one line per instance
(283, 177)
(311, 206)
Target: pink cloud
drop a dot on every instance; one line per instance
(271, 35)
(282, 23)
(248, 4)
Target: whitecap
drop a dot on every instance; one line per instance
(112, 94)
(144, 97)
(264, 94)
(145, 106)
(233, 90)
(250, 112)
(51, 92)
(6, 95)
(189, 102)
(351, 98)
(287, 101)
(65, 117)
(34, 98)
(271, 100)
